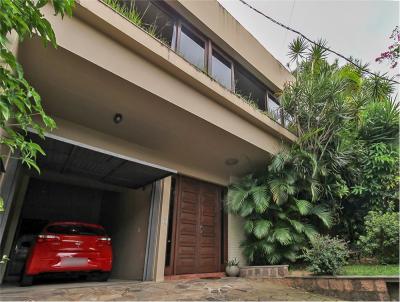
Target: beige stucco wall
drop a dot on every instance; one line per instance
(126, 221)
(235, 237)
(177, 80)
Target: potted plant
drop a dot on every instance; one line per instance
(232, 268)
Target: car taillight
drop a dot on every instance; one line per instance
(47, 238)
(106, 240)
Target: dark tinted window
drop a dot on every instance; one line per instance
(221, 70)
(155, 20)
(192, 48)
(70, 229)
(250, 88)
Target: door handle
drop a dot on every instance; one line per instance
(201, 229)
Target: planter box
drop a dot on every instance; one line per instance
(351, 288)
(262, 272)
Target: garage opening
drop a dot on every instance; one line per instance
(79, 184)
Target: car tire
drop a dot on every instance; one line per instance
(103, 276)
(99, 276)
(26, 280)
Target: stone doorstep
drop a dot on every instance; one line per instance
(194, 276)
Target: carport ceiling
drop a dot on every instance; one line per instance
(72, 160)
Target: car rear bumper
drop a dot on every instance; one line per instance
(37, 265)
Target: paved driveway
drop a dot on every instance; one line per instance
(231, 289)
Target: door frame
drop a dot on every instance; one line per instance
(222, 222)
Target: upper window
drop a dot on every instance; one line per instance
(250, 88)
(221, 69)
(192, 48)
(155, 20)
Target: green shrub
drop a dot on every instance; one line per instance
(326, 256)
(381, 238)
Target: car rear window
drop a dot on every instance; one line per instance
(75, 230)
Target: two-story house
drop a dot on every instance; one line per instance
(159, 107)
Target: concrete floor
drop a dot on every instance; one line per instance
(225, 289)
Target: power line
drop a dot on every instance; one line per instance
(289, 22)
(318, 44)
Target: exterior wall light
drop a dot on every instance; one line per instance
(117, 118)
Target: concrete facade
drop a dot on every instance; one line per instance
(175, 116)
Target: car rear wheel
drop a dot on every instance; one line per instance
(26, 280)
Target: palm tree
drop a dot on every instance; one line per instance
(279, 222)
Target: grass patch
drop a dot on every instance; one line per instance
(371, 270)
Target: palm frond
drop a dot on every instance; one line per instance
(310, 231)
(261, 228)
(282, 235)
(246, 209)
(235, 197)
(304, 207)
(297, 225)
(267, 247)
(274, 257)
(279, 161)
(261, 199)
(280, 190)
(324, 214)
(248, 226)
(297, 49)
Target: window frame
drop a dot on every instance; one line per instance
(195, 32)
(215, 48)
(256, 82)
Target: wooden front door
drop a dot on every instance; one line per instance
(198, 227)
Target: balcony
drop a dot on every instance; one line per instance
(169, 28)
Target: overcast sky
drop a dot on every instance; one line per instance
(354, 28)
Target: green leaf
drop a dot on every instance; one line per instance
(260, 198)
(268, 248)
(304, 207)
(248, 226)
(261, 228)
(274, 257)
(310, 231)
(246, 209)
(282, 234)
(324, 214)
(297, 225)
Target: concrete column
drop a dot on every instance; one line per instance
(8, 238)
(163, 229)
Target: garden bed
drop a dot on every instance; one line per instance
(371, 270)
(352, 288)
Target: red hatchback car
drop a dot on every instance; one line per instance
(70, 247)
